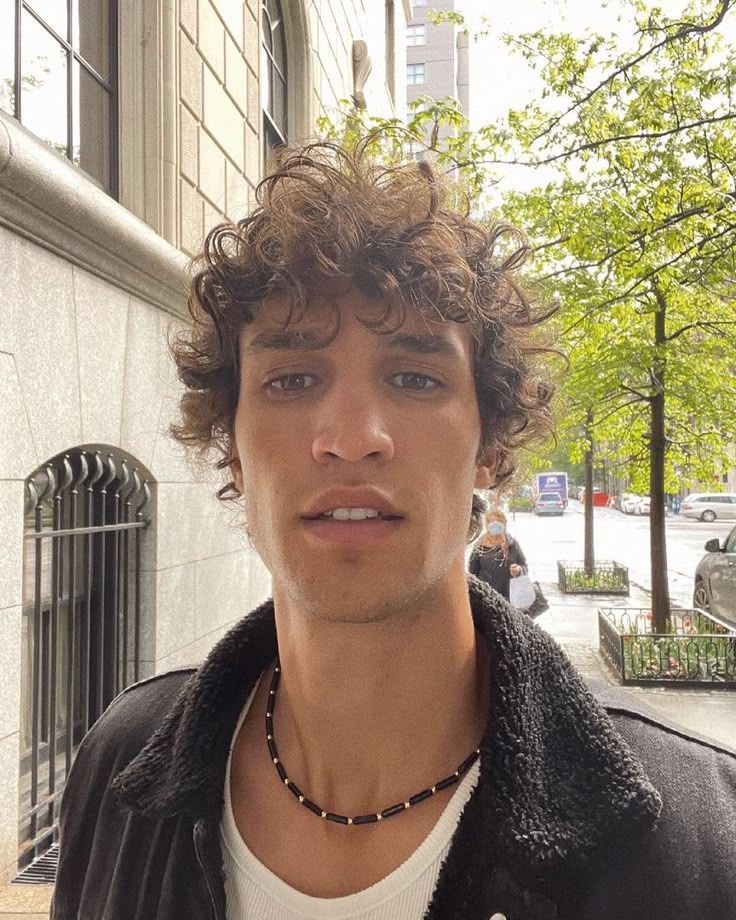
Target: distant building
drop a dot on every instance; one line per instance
(125, 134)
(436, 56)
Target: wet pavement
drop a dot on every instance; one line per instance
(573, 621)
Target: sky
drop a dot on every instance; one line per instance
(510, 82)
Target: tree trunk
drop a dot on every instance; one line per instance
(589, 544)
(657, 447)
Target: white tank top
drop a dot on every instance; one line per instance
(253, 892)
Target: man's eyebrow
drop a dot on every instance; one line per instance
(299, 340)
(287, 340)
(421, 344)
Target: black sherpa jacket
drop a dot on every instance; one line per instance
(583, 810)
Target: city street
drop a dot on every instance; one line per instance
(572, 619)
(620, 537)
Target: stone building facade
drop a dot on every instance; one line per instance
(124, 135)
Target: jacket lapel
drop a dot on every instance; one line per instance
(182, 767)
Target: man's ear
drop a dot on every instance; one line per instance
(485, 472)
(236, 470)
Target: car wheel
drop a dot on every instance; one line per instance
(700, 597)
(708, 516)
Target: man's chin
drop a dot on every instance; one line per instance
(359, 597)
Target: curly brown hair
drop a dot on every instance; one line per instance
(402, 235)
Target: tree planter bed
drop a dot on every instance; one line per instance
(696, 649)
(607, 578)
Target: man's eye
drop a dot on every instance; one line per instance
(415, 381)
(291, 383)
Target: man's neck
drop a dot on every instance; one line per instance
(370, 712)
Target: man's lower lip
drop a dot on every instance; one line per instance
(371, 530)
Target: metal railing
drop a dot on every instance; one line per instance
(85, 516)
(696, 647)
(608, 578)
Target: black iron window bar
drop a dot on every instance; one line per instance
(90, 512)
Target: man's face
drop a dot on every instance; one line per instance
(356, 454)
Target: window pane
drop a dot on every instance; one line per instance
(279, 46)
(279, 103)
(266, 36)
(273, 32)
(91, 149)
(43, 85)
(415, 35)
(7, 56)
(415, 74)
(264, 78)
(54, 13)
(274, 10)
(91, 33)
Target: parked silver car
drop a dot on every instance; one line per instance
(715, 579)
(707, 506)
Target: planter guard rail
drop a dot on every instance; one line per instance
(696, 648)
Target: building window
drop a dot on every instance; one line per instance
(419, 3)
(416, 35)
(273, 75)
(390, 50)
(86, 617)
(58, 77)
(416, 74)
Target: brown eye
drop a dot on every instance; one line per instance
(292, 383)
(414, 381)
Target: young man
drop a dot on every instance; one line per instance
(385, 740)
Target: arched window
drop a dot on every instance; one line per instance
(82, 636)
(274, 96)
(58, 77)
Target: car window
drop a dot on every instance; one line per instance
(731, 542)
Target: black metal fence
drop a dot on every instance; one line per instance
(85, 515)
(697, 647)
(607, 578)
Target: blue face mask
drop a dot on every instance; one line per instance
(496, 528)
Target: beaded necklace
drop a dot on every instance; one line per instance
(320, 812)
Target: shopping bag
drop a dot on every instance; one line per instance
(521, 591)
(540, 603)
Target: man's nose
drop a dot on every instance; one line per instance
(352, 427)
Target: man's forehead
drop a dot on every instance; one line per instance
(279, 324)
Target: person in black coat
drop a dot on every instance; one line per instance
(498, 557)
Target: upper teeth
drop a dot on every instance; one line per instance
(351, 514)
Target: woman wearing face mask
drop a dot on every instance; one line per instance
(498, 557)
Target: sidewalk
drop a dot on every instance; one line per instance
(573, 621)
(24, 902)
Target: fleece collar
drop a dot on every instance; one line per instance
(556, 780)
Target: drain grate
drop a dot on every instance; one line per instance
(41, 871)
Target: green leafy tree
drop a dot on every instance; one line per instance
(635, 236)
(634, 226)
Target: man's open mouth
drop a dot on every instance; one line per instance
(353, 514)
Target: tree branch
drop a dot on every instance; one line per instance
(686, 28)
(701, 324)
